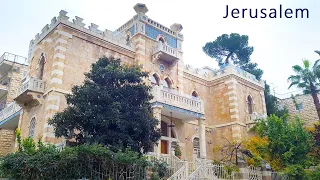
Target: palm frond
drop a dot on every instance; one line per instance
(293, 78)
(297, 69)
(306, 91)
(293, 84)
(317, 51)
(303, 85)
(306, 64)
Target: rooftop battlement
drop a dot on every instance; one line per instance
(140, 23)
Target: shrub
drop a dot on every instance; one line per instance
(45, 162)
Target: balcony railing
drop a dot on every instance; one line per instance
(252, 118)
(13, 58)
(166, 52)
(31, 84)
(11, 109)
(173, 98)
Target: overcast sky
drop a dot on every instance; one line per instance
(278, 43)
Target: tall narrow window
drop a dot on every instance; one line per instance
(32, 127)
(167, 83)
(41, 67)
(250, 104)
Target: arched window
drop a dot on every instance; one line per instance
(194, 94)
(154, 80)
(250, 104)
(167, 83)
(41, 66)
(196, 147)
(32, 127)
(161, 39)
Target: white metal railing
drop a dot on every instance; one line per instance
(172, 97)
(210, 171)
(11, 109)
(31, 84)
(13, 58)
(166, 49)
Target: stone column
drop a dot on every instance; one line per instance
(157, 115)
(202, 136)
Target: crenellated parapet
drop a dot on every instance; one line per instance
(142, 24)
(78, 24)
(210, 74)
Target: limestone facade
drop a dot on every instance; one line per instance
(306, 109)
(12, 70)
(206, 106)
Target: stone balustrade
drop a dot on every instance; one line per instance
(11, 109)
(252, 118)
(31, 84)
(174, 98)
(163, 48)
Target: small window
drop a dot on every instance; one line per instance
(299, 107)
(164, 129)
(161, 39)
(250, 104)
(32, 127)
(194, 94)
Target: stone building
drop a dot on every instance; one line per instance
(205, 106)
(12, 71)
(305, 108)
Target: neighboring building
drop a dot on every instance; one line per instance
(204, 105)
(12, 69)
(305, 108)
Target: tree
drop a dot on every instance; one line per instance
(272, 103)
(233, 47)
(111, 108)
(288, 142)
(307, 79)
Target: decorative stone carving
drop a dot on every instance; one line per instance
(176, 27)
(140, 8)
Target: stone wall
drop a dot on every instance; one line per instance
(308, 112)
(6, 141)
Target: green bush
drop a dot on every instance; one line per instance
(45, 162)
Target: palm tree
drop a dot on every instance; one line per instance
(307, 79)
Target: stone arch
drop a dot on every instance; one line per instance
(168, 81)
(195, 93)
(162, 39)
(155, 79)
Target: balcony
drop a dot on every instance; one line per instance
(183, 106)
(165, 52)
(252, 118)
(29, 94)
(7, 60)
(9, 116)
